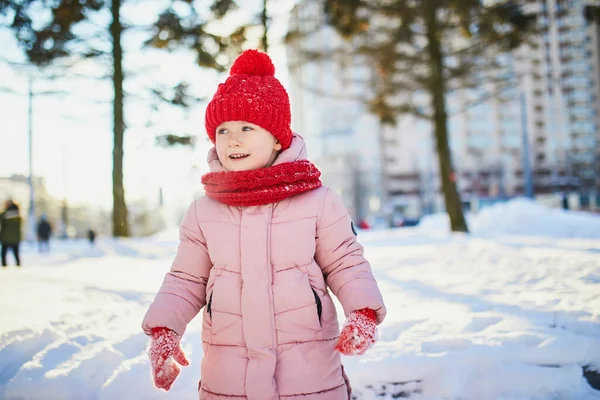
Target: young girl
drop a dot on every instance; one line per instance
(260, 253)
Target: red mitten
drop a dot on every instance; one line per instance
(164, 351)
(359, 333)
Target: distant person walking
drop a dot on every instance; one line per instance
(91, 236)
(44, 231)
(10, 231)
(565, 201)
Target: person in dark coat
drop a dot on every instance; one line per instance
(10, 231)
(91, 236)
(44, 230)
(565, 201)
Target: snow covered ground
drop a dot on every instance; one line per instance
(511, 312)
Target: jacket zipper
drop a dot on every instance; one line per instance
(319, 305)
(270, 275)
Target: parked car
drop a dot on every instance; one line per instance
(401, 221)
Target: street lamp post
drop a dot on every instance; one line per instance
(31, 214)
(31, 95)
(528, 186)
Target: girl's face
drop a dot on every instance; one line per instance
(242, 146)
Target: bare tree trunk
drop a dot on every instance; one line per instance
(265, 22)
(120, 225)
(437, 91)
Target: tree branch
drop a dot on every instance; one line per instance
(483, 99)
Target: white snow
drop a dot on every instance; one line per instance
(511, 312)
(523, 217)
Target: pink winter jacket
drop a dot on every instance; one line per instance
(264, 274)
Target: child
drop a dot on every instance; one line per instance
(260, 253)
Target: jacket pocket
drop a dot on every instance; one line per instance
(319, 305)
(209, 305)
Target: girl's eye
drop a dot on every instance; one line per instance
(247, 128)
(222, 131)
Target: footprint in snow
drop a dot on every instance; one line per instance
(479, 324)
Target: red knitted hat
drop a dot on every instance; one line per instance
(252, 94)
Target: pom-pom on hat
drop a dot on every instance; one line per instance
(252, 94)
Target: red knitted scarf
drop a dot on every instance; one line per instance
(261, 186)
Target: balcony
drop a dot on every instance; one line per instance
(578, 102)
(565, 58)
(566, 74)
(540, 158)
(410, 177)
(561, 11)
(400, 192)
(579, 118)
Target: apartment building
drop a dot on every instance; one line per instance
(367, 163)
(547, 123)
(571, 76)
(555, 108)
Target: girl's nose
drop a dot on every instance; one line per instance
(234, 139)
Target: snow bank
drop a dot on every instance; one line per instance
(522, 217)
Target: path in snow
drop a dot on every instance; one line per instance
(468, 318)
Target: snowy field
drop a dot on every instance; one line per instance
(511, 312)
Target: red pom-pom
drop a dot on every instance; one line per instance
(253, 62)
